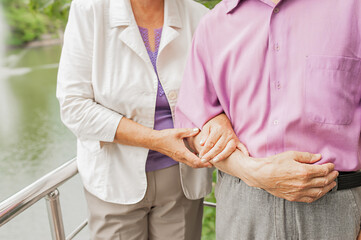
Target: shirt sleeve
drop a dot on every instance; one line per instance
(86, 118)
(197, 102)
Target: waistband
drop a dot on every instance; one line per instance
(347, 180)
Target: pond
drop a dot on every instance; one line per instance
(33, 141)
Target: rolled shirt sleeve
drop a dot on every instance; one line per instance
(79, 111)
(197, 101)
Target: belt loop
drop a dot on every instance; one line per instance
(335, 188)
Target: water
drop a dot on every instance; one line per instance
(33, 141)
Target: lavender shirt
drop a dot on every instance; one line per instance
(163, 115)
(287, 76)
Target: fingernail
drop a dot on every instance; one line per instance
(210, 166)
(201, 142)
(203, 160)
(215, 159)
(195, 129)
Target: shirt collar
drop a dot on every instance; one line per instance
(120, 13)
(231, 4)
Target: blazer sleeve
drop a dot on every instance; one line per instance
(79, 111)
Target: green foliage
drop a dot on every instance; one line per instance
(25, 26)
(209, 3)
(30, 19)
(209, 216)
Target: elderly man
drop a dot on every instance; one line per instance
(288, 76)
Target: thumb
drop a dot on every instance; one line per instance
(188, 132)
(305, 157)
(191, 159)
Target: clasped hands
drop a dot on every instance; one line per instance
(289, 175)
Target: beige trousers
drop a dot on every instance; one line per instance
(163, 214)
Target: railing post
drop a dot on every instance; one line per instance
(55, 216)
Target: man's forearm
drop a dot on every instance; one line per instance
(235, 164)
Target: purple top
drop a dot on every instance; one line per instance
(163, 115)
(287, 76)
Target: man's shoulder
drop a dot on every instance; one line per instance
(212, 20)
(220, 10)
(213, 17)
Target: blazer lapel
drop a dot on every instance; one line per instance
(132, 38)
(121, 15)
(172, 22)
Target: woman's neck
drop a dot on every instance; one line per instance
(148, 13)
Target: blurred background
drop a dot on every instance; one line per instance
(33, 141)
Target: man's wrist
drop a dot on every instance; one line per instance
(250, 169)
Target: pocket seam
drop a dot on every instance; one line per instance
(314, 64)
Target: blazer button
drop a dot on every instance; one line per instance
(172, 95)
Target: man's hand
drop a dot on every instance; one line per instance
(291, 176)
(171, 143)
(359, 236)
(218, 140)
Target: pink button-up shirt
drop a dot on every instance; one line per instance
(288, 76)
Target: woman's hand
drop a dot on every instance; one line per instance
(171, 142)
(218, 140)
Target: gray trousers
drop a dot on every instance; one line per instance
(247, 213)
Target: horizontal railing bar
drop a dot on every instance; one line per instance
(77, 230)
(25, 198)
(209, 204)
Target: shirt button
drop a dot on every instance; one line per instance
(276, 10)
(278, 85)
(172, 95)
(276, 122)
(277, 47)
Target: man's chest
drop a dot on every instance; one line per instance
(261, 46)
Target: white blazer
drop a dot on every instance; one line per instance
(104, 74)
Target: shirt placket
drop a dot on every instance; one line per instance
(276, 53)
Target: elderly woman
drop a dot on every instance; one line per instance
(119, 76)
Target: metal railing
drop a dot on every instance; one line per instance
(43, 187)
(46, 187)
